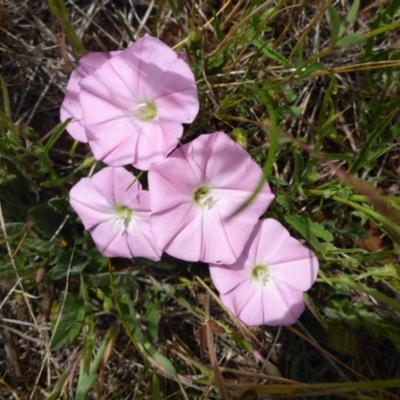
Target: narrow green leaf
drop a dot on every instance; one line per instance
(314, 310)
(312, 68)
(217, 27)
(298, 168)
(351, 16)
(152, 316)
(160, 9)
(156, 387)
(86, 380)
(57, 132)
(271, 53)
(6, 99)
(175, 7)
(350, 40)
(334, 23)
(393, 303)
(273, 148)
(125, 26)
(166, 365)
(60, 11)
(325, 107)
(363, 155)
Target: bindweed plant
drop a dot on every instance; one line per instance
(200, 183)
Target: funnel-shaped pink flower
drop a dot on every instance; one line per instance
(266, 284)
(134, 105)
(195, 190)
(71, 106)
(116, 212)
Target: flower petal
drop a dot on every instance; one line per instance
(110, 240)
(140, 238)
(71, 107)
(178, 236)
(227, 277)
(115, 149)
(151, 59)
(271, 305)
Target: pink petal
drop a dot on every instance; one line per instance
(165, 192)
(140, 238)
(217, 246)
(151, 58)
(126, 186)
(181, 107)
(227, 277)
(91, 61)
(111, 240)
(255, 304)
(178, 236)
(150, 146)
(231, 167)
(117, 141)
(139, 201)
(71, 107)
(91, 207)
(172, 132)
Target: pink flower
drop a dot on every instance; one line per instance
(134, 105)
(195, 190)
(71, 106)
(266, 284)
(116, 212)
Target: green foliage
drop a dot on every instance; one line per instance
(68, 322)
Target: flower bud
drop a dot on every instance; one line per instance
(195, 39)
(239, 136)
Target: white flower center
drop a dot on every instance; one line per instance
(145, 111)
(203, 197)
(124, 215)
(260, 274)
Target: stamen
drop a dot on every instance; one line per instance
(260, 274)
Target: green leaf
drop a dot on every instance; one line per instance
(285, 202)
(175, 6)
(151, 316)
(298, 225)
(46, 219)
(271, 53)
(7, 271)
(309, 229)
(342, 339)
(57, 132)
(298, 168)
(351, 16)
(350, 40)
(125, 27)
(318, 66)
(14, 230)
(334, 23)
(314, 310)
(363, 155)
(156, 387)
(70, 323)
